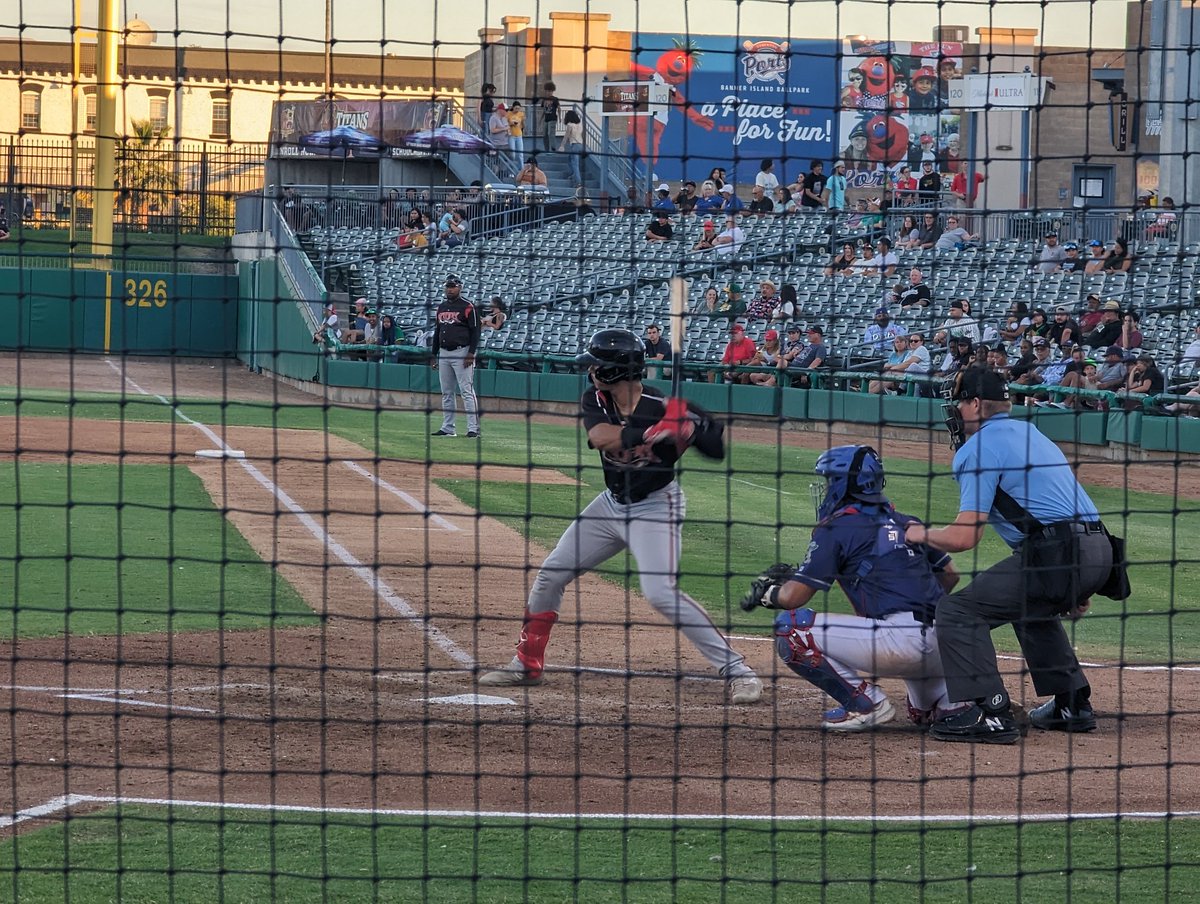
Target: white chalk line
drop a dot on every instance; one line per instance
(365, 574)
(66, 802)
(759, 486)
(62, 690)
(411, 501)
(122, 700)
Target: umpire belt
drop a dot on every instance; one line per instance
(1059, 528)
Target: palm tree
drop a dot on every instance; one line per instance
(145, 177)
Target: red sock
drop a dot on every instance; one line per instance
(535, 634)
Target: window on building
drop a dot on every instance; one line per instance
(31, 111)
(158, 113)
(220, 117)
(89, 112)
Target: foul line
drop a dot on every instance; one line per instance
(411, 501)
(759, 486)
(365, 574)
(59, 804)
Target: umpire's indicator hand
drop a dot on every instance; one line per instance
(965, 533)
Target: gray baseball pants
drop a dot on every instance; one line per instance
(452, 372)
(651, 530)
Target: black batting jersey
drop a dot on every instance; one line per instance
(640, 468)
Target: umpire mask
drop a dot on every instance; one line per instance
(973, 383)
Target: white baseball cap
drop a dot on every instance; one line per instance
(664, 187)
(727, 189)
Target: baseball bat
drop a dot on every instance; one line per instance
(679, 294)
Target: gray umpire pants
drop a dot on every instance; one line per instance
(453, 372)
(651, 530)
(965, 620)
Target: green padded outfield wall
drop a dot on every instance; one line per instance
(272, 332)
(111, 311)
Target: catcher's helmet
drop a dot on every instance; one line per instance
(852, 473)
(616, 355)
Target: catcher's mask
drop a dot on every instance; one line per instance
(972, 383)
(851, 473)
(614, 356)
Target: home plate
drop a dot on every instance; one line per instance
(220, 453)
(472, 700)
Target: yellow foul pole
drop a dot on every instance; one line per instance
(108, 31)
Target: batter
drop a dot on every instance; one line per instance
(640, 436)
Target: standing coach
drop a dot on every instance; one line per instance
(1013, 476)
(455, 339)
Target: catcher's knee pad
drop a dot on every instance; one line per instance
(794, 638)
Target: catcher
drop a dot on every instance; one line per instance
(640, 437)
(894, 588)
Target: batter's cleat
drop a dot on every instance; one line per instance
(443, 433)
(511, 675)
(1051, 716)
(745, 689)
(975, 725)
(841, 719)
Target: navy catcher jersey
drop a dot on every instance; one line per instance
(862, 549)
(639, 470)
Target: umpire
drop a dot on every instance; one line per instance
(455, 339)
(1013, 476)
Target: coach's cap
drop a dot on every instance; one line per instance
(771, 335)
(816, 329)
(1111, 305)
(979, 383)
(727, 189)
(1114, 350)
(453, 280)
(662, 186)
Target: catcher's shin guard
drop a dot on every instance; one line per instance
(535, 634)
(797, 647)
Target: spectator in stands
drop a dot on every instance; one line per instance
(531, 175)
(583, 204)
(959, 196)
(730, 202)
(867, 264)
(708, 201)
(662, 199)
(660, 229)
(1095, 263)
(1186, 409)
(371, 334)
(842, 264)
(904, 187)
(783, 202)
(717, 178)
(797, 189)
(358, 326)
(960, 354)
(496, 316)
(709, 302)
(1108, 333)
(4, 230)
(686, 199)
(997, 360)
(730, 239)
(897, 356)
(917, 294)
(739, 351)
(762, 305)
(1052, 254)
(657, 349)
(1064, 329)
(760, 204)
(888, 262)
(413, 238)
(572, 145)
(1071, 262)
(785, 310)
(733, 303)
(1118, 258)
(1191, 355)
(498, 129)
(1091, 316)
(879, 335)
(291, 202)
(929, 186)
(1038, 370)
(770, 354)
(549, 107)
(389, 336)
(1164, 225)
(633, 202)
(794, 346)
(930, 231)
(914, 360)
(452, 228)
(487, 104)
(516, 132)
(1016, 322)
(812, 358)
(415, 218)
(908, 236)
(955, 237)
(835, 187)
(766, 179)
(328, 332)
(1082, 373)
(1025, 359)
(1145, 378)
(708, 237)
(1112, 371)
(958, 325)
(1039, 325)
(1131, 336)
(813, 197)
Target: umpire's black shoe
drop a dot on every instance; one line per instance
(443, 433)
(975, 725)
(1053, 716)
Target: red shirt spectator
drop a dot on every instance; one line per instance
(1091, 317)
(958, 187)
(740, 348)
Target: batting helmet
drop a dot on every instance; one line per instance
(852, 473)
(616, 355)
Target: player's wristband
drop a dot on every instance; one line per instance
(771, 597)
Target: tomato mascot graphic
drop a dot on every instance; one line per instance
(878, 75)
(672, 68)
(887, 140)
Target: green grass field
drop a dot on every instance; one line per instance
(142, 854)
(734, 508)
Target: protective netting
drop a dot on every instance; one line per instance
(294, 615)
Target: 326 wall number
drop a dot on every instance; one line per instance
(143, 293)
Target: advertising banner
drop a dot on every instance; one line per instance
(633, 98)
(896, 109)
(733, 103)
(365, 129)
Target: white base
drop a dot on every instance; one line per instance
(220, 453)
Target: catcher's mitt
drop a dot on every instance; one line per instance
(764, 588)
